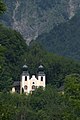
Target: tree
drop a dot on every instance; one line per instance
(2, 7)
(72, 97)
(12, 49)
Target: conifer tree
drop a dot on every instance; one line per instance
(2, 7)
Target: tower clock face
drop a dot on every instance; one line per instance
(25, 87)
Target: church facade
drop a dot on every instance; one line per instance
(28, 84)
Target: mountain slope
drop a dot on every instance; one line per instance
(64, 39)
(34, 17)
(14, 53)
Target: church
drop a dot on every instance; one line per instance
(28, 83)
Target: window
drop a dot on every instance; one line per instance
(25, 87)
(33, 87)
(25, 78)
(33, 83)
(41, 78)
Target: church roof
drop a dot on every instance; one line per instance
(25, 73)
(41, 66)
(41, 73)
(16, 83)
(25, 66)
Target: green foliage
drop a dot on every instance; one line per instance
(2, 7)
(14, 53)
(41, 105)
(72, 86)
(64, 38)
(56, 67)
(48, 104)
(12, 48)
(72, 97)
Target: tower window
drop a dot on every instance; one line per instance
(25, 87)
(33, 83)
(33, 87)
(25, 78)
(41, 78)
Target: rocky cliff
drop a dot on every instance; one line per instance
(34, 17)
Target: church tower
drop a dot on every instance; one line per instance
(24, 80)
(41, 77)
(28, 85)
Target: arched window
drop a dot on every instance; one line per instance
(25, 87)
(33, 87)
(25, 78)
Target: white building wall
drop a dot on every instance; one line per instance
(33, 82)
(41, 83)
(13, 90)
(38, 81)
(23, 82)
(30, 82)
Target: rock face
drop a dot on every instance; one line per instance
(34, 17)
(73, 7)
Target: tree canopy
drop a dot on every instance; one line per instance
(2, 6)
(48, 104)
(72, 97)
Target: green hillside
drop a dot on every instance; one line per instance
(12, 48)
(64, 39)
(15, 53)
(53, 103)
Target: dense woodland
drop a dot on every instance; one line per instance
(49, 104)
(61, 98)
(64, 39)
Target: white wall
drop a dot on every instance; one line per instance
(29, 83)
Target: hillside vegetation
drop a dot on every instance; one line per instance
(52, 103)
(12, 49)
(15, 53)
(64, 39)
(43, 105)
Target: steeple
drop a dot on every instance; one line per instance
(25, 70)
(29, 83)
(24, 78)
(41, 75)
(41, 70)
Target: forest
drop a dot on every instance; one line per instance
(61, 98)
(63, 39)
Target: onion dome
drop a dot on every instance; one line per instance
(25, 68)
(40, 68)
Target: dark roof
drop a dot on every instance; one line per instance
(41, 73)
(16, 83)
(41, 66)
(25, 66)
(25, 73)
